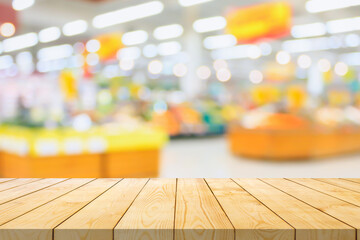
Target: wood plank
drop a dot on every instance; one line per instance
(22, 205)
(341, 183)
(251, 219)
(346, 212)
(310, 223)
(152, 214)
(39, 223)
(23, 190)
(2, 180)
(198, 214)
(17, 182)
(98, 219)
(335, 191)
(357, 180)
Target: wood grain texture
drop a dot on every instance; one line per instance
(2, 180)
(39, 224)
(341, 183)
(310, 223)
(17, 182)
(23, 190)
(97, 220)
(357, 180)
(180, 209)
(335, 191)
(198, 214)
(152, 214)
(22, 205)
(251, 219)
(346, 212)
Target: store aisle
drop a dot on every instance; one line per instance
(210, 158)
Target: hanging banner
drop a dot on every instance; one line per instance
(262, 21)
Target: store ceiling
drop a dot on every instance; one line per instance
(48, 13)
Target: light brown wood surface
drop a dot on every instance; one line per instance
(179, 209)
(341, 183)
(335, 191)
(151, 216)
(345, 212)
(310, 223)
(198, 214)
(97, 220)
(251, 219)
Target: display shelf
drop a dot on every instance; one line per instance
(282, 145)
(242, 209)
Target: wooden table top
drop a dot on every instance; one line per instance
(221, 209)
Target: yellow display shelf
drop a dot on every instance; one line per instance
(100, 152)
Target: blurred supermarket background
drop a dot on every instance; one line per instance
(179, 88)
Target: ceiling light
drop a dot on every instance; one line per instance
(341, 68)
(55, 52)
(75, 28)
(180, 70)
(256, 76)
(209, 24)
(127, 64)
(20, 5)
(20, 42)
(203, 72)
(283, 57)
(324, 65)
(155, 67)
(128, 14)
(135, 37)
(92, 59)
(308, 30)
(220, 41)
(219, 64)
(169, 48)
(304, 61)
(265, 48)
(253, 52)
(223, 75)
(315, 6)
(150, 51)
(6, 62)
(188, 3)
(236, 52)
(168, 32)
(129, 53)
(343, 25)
(7, 29)
(93, 45)
(49, 34)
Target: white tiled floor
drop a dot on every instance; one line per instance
(211, 158)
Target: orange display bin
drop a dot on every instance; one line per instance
(56, 166)
(292, 144)
(142, 163)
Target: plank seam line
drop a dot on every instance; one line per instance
(333, 184)
(45, 203)
(11, 179)
(312, 206)
(113, 230)
(349, 180)
(220, 207)
(52, 230)
(21, 184)
(33, 191)
(324, 192)
(267, 207)
(174, 225)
